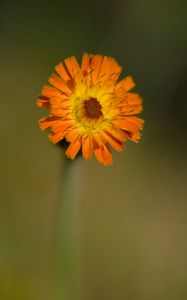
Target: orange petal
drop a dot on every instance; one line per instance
(87, 147)
(85, 66)
(98, 140)
(56, 137)
(72, 135)
(117, 133)
(138, 121)
(50, 91)
(58, 102)
(58, 82)
(129, 123)
(62, 71)
(127, 84)
(72, 66)
(60, 112)
(107, 155)
(43, 101)
(48, 122)
(102, 149)
(95, 64)
(74, 148)
(134, 136)
(132, 99)
(130, 103)
(110, 70)
(61, 126)
(115, 143)
(103, 155)
(128, 110)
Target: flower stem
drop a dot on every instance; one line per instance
(67, 236)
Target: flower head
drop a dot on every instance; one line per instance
(89, 108)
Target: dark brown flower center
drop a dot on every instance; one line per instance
(92, 108)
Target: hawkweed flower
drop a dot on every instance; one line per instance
(90, 108)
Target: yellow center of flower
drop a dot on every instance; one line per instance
(92, 108)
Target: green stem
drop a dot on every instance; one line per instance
(67, 235)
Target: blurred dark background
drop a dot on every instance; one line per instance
(133, 224)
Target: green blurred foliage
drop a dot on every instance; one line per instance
(133, 214)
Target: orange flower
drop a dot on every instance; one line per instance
(90, 109)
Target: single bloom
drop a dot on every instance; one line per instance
(90, 108)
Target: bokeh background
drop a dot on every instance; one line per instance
(132, 229)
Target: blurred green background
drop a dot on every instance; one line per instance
(133, 223)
